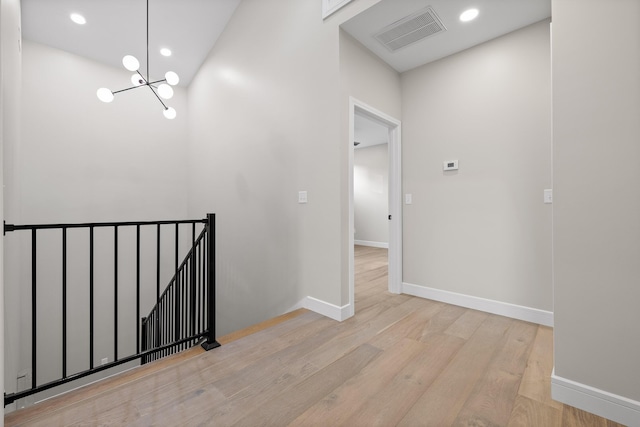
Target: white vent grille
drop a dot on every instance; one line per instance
(417, 26)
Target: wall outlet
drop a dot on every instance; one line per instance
(104, 360)
(302, 197)
(450, 165)
(24, 383)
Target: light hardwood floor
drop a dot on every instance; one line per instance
(400, 360)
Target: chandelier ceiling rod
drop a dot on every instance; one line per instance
(163, 90)
(148, 41)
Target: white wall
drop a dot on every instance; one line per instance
(80, 160)
(131, 159)
(596, 106)
(371, 195)
(265, 124)
(10, 84)
(482, 231)
(368, 79)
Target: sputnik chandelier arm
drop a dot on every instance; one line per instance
(160, 88)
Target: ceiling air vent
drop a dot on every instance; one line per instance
(415, 27)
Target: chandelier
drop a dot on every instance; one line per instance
(160, 88)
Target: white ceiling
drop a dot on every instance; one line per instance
(369, 132)
(496, 18)
(190, 28)
(116, 28)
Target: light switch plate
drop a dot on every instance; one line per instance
(408, 199)
(302, 197)
(548, 196)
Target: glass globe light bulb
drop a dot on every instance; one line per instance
(165, 91)
(172, 78)
(137, 80)
(131, 63)
(169, 113)
(105, 95)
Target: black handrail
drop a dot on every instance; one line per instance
(13, 227)
(189, 319)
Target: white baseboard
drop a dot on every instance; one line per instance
(327, 309)
(519, 312)
(372, 244)
(608, 405)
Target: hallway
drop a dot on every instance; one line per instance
(400, 360)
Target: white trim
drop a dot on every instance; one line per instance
(327, 309)
(608, 405)
(331, 6)
(371, 244)
(350, 207)
(395, 195)
(514, 311)
(395, 208)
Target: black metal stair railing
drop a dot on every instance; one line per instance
(183, 315)
(179, 318)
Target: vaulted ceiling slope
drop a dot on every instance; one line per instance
(190, 28)
(115, 28)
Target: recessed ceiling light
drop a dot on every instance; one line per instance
(78, 19)
(165, 52)
(469, 15)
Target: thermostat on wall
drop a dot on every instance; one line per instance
(450, 165)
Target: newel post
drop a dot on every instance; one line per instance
(143, 344)
(210, 341)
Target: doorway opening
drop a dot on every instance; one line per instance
(374, 230)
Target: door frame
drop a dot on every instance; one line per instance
(395, 196)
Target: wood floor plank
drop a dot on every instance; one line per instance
(491, 402)
(327, 345)
(290, 404)
(262, 374)
(339, 405)
(441, 321)
(440, 404)
(382, 297)
(376, 293)
(265, 389)
(390, 404)
(400, 360)
(410, 326)
(528, 412)
(466, 325)
(248, 389)
(536, 381)
(150, 390)
(234, 382)
(234, 336)
(262, 385)
(574, 417)
(44, 409)
(194, 383)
